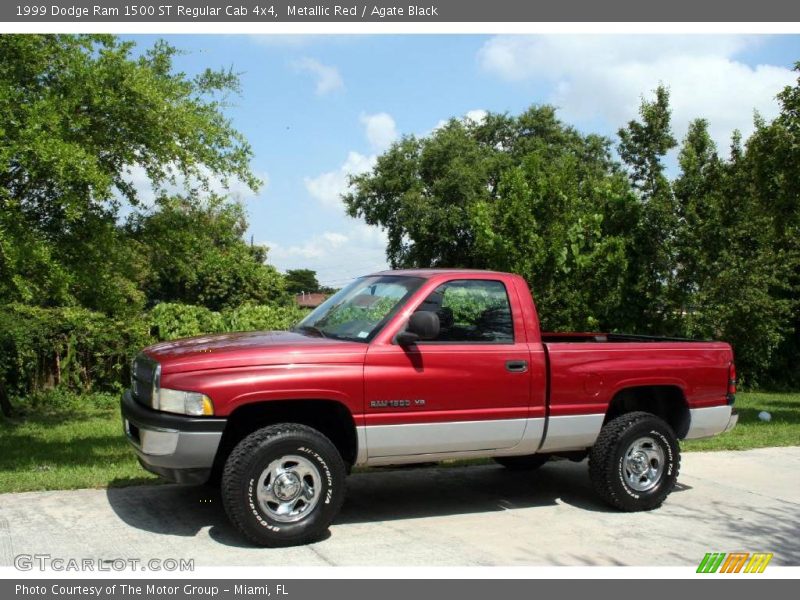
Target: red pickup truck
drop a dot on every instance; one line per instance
(414, 366)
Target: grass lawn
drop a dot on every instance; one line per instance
(64, 441)
(751, 432)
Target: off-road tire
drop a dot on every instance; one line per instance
(248, 461)
(607, 461)
(529, 462)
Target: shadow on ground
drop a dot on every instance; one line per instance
(372, 496)
(386, 495)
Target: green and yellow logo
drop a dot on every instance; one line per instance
(734, 562)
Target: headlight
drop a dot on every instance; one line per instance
(184, 403)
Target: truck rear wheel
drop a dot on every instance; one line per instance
(530, 462)
(634, 463)
(283, 485)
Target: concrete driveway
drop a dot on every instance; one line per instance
(483, 515)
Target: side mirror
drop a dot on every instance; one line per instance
(422, 325)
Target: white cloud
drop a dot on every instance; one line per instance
(334, 239)
(381, 130)
(328, 77)
(597, 76)
(339, 256)
(336, 256)
(476, 116)
(137, 176)
(328, 187)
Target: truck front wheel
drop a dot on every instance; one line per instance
(634, 463)
(283, 485)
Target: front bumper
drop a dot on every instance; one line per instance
(176, 447)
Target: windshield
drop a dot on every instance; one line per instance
(358, 311)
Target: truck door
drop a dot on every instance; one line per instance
(466, 390)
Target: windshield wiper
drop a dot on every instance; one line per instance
(312, 329)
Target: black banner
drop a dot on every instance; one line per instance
(463, 589)
(326, 11)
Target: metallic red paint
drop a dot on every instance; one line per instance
(457, 382)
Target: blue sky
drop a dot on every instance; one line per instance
(315, 108)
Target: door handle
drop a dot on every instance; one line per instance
(516, 366)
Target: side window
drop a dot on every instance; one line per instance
(471, 311)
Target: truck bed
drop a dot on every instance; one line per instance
(587, 370)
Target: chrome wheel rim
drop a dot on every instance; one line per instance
(643, 464)
(289, 488)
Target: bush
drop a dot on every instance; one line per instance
(75, 349)
(72, 347)
(469, 304)
(170, 321)
(252, 317)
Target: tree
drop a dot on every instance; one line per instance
(526, 194)
(196, 254)
(77, 114)
(301, 280)
(698, 203)
(785, 143)
(768, 173)
(729, 272)
(643, 146)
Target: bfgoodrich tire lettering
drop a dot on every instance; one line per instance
(635, 462)
(272, 518)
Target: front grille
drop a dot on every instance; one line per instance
(144, 372)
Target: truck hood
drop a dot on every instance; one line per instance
(252, 348)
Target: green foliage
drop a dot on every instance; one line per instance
(751, 432)
(526, 194)
(62, 440)
(172, 321)
(642, 147)
(196, 255)
(643, 144)
(606, 243)
(732, 278)
(82, 350)
(70, 347)
(58, 402)
(301, 280)
(467, 305)
(252, 317)
(373, 313)
(77, 114)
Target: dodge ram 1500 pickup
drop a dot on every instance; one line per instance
(413, 366)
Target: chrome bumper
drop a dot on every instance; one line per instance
(710, 421)
(732, 421)
(178, 448)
